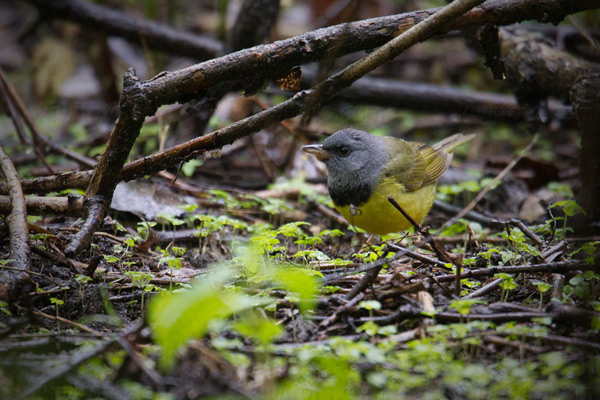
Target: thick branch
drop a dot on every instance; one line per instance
(431, 98)
(537, 69)
(587, 109)
(133, 109)
(53, 183)
(38, 205)
(12, 280)
(298, 103)
(276, 59)
(96, 208)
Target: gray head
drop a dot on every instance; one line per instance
(354, 160)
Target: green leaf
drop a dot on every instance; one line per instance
(463, 306)
(254, 326)
(56, 301)
(332, 233)
(508, 281)
(541, 286)
(189, 167)
(300, 281)
(370, 305)
(292, 229)
(110, 259)
(570, 208)
(176, 318)
(82, 279)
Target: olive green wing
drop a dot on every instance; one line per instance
(436, 163)
(437, 157)
(415, 164)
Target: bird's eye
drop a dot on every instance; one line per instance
(344, 151)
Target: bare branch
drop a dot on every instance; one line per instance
(12, 282)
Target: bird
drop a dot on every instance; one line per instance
(364, 170)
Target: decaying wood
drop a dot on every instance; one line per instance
(15, 281)
(432, 98)
(71, 205)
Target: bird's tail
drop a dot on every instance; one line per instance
(450, 143)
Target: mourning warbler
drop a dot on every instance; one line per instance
(365, 169)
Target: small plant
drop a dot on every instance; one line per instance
(569, 208)
(82, 280)
(463, 306)
(589, 249)
(521, 248)
(119, 255)
(581, 285)
(173, 260)
(141, 280)
(508, 283)
(370, 305)
(372, 329)
(542, 287)
(4, 309)
(57, 303)
(307, 255)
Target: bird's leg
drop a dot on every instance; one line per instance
(441, 253)
(368, 242)
(357, 211)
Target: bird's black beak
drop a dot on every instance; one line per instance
(317, 150)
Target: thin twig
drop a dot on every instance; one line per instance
(484, 289)
(68, 322)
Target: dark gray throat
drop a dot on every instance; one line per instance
(349, 191)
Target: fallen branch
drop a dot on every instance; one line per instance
(558, 267)
(430, 98)
(73, 362)
(15, 282)
(490, 287)
(564, 314)
(71, 205)
(536, 70)
(96, 207)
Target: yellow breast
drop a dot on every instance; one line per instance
(378, 216)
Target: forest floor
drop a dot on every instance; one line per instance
(465, 310)
(234, 277)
